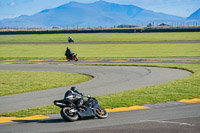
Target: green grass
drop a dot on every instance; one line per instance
(185, 88)
(93, 37)
(44, 110)
(172, 91)
(86, 51)
(14, 82)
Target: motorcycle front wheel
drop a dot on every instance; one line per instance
(67, 115)
(101, 113)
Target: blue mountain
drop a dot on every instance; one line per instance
(100, 13)
(195, 15)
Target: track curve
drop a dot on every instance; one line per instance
(107, 79)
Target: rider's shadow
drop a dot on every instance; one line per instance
(58, 120)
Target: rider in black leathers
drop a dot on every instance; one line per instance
(68, 53)
(75, 96)
(70, 39)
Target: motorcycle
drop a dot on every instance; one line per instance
(90, 109)
(70, 40)
(72, 57)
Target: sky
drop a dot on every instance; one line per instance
(15, 8)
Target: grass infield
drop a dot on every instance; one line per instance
(102, 51)
(96, 37)
(14, 82)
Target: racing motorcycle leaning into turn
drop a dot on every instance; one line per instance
(73, 56)
(70, 55)
(71, 111)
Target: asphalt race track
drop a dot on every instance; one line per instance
(176, 119)
(182, 118)
(107, 79)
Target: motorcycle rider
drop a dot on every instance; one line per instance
(70, 39)
(73, 106)
(75, 96)
(68, 53)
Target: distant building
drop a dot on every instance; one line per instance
(55, 27)
(163, 24)
(126, 26)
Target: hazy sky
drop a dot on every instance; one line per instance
(15, 8)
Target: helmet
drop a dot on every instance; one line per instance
(73, 88)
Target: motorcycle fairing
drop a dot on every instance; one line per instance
(87, 114)
(63, 103)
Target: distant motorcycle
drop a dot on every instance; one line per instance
(70, 40)
(90, 109)
(73, 56)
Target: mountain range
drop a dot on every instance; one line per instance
(195, 15)
(97, 14)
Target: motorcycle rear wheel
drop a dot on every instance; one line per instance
(101, 113)
(67, 115)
